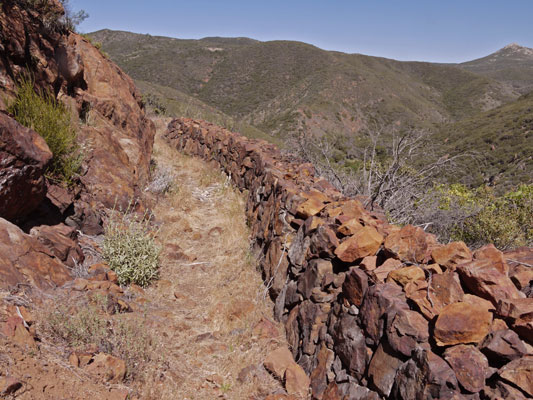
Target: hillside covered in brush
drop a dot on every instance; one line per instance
(284, 89)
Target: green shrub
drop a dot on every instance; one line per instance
(130, 249)
(478, 216)
(40, 111)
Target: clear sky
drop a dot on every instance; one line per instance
(425, 30)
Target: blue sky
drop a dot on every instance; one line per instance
(425, 30)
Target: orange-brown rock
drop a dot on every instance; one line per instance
(485, 279)
(470, 366)
(312, 206)
(23, 158)
(410, 244)
(107, 368)
(519, 373)
(406, 275)
(462, 323)
(444, 289)
(350, 227)
(383, 271)
(25, 260)
(14, 329)
(365, 242)
(451, 255)
(281, 364)
(495, 256)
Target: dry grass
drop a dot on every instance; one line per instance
(206, 305)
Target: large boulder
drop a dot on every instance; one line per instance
(23, 158)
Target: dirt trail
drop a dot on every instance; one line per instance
(209, 310)
(208, 315)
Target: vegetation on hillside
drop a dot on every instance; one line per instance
(129, 248)
(40, 111)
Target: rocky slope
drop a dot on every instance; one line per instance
(113, 130)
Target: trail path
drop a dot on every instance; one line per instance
(209, 310)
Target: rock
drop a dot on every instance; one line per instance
(365, 242)
(485, 279)
(410, 244)
(118, 394)
(470, 366)
(519, 373)
(277, 362)
(494, 256)
(406, 275)
(281, 364)
(25, 260)
(312, 206)
(349, 345)
(24, 156)
(107, 368)
(502, 390)
(424, 376)
(380, 300)
(355, 286)
(382, 368)
(382, 272)
(296, 381)
(519, 313)
(59, 240)
(9, 385)
(451, 255)
(502, 346)
(513, 309)
(120, 135)
(324, 242)
(319, 374)
(332, 392)
(369, 263)
(462, 323)
(444, 289)
(470, 298)
(406, 330)
(16, 331)
(350, 227)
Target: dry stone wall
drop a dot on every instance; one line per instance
(373, 310)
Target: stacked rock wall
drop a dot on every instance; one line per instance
(373, 310)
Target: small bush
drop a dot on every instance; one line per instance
(89, 325)
(130, 249)
(40, 111)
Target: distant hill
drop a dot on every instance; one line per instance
(513, 65)
(279, 86)
(502, 140)
(280, 89)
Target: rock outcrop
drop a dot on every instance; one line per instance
(373, 310)
(113, 132)
(116, 135)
